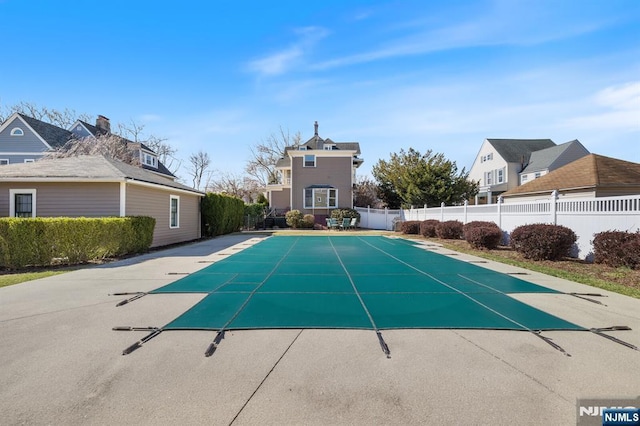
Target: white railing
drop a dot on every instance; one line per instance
(585, 216)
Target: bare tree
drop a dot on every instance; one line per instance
(264, 156)
(61, 118)
(241, 186)
(198, 167)
(365, 193)
(165, 152)
(111, 146)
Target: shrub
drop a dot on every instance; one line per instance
(61, 240)
(410, 227)
(308, 221)
(221, 214)
(449, 230)
(340, 214)
(428, 228)
(294, 218)
(542, 241)
(482, 235)
(617, 248)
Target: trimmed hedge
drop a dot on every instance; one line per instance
(543, 241)
(428, 228)
(482, 235)
(70, 241)
(449, 230)
(617, 248)
(410, 227)
(294, 218)
(221, 214)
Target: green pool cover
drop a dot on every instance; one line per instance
(353, 282)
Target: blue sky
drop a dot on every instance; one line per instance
(222, 75)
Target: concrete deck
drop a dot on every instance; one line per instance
(62, 363)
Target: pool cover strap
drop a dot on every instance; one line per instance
(599, 332)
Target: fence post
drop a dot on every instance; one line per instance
(500, 212)
(442, 211)
(368, 215)
(554, 207)
(466, 203)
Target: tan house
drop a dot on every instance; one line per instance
(590, 176)
(316, 177)
(96, 186)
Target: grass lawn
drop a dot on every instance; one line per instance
(16, 278)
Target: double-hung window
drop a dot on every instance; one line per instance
(501, 175)
(309, 160)
(318, 198)
(22, 202)
(174, 211)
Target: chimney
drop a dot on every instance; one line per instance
(103, 124)
(315, 129)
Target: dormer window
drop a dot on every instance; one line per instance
(149, 159)
(329, 147)
(302, 147)
(17, 131)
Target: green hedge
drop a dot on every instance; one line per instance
(61, 240)
(221, 214)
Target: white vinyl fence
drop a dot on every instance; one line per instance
(585, 216)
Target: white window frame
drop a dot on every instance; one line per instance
(524, 178)
(149, 159)
(4, 161)
(12, 200)
(17, 131)
(171, 198)
(304, 160)
(488, 178)
(315, 198)
(537, 175)
(29, 160)
(500, 175)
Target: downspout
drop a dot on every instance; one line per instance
(123, 199)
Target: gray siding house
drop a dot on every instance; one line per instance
(96, 186)
(316, 177)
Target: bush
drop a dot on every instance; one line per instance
(308, 221)
(221, 214)
(428, 228)
(449, 230)
(340, 214)
(294, 218)
(482, 235)
(410, 227)
(60, 240)
(542, 241)
(617, 248)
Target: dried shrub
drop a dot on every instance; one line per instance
(410, 227)
(428, 228)
(449, 230)
(617, 248)
(543, 241)
(308, 221)
(294, 218)
(482, 235)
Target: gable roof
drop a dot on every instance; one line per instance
(590, 171)
(544, 158)
(517, 150)
(53, 135)
(85, 167)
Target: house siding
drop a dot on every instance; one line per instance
(27, 143)
(333, 171)
(19, 159)
(73, 199)
(146, 201)
(281, 199)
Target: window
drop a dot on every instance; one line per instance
(488, 178)
(29, 160)
(537, 175)
(317, 198)
(22, 202)
(309, 161)
(490, 156)
(501, 175)
(329, 147)
(174, 211)
(4, 161)
(302, 147)
(17, 131)
(149, 160)
(524, 178)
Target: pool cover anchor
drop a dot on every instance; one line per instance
(154, 332)
(383, 345)
(582, 296)
(138, 295)
(599, 332)
(550, 341)
(214, 345)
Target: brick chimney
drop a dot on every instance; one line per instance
(103, 124)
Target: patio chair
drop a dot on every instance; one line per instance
(354, 222)
(345, 223)
(332, 223)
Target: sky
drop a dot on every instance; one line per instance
(221, 76)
